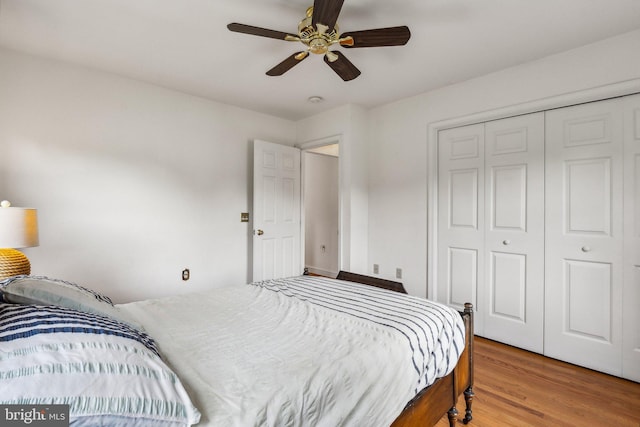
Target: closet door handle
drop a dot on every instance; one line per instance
(585, 249)
(506, 242)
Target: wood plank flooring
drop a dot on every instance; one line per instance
(514, 387)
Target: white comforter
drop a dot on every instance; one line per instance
(289, 353)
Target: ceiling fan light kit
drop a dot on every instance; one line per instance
(319, 31)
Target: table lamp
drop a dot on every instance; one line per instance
(18, 229)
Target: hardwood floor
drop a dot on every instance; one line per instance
(514, 387)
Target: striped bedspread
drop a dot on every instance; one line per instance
(303, 351)
(433, 332)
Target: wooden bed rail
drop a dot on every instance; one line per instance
(440, 398)
(372, 281)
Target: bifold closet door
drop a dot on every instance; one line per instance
(491, 226)
(631, 290)
(514, 231)
(461, 218)
(584, 235)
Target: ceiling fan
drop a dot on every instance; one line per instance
(318, 31)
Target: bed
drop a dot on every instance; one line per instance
(290, 352)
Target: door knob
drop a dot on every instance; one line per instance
(259, 232)
(506, 242)
(585, 249)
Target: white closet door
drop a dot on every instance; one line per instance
(584, 271)
(461, 217)
(631, 292)
(514, 231)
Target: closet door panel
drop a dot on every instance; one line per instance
(588, 297)
(584, 269)
(588, 196)
(461, 216)
(508, 286)
(514, 231)
(462, 276)
(509, 198)
(463, 199)
(631, 291)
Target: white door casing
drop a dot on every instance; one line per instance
(631, 287)
(276, 211)
(514, 231)
(335, 140)
(584, 237)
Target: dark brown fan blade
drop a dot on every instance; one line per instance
(326, 12)
(257, 31)
(343, 67)
(287, 64)
(392, 36)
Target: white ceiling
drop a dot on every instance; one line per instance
(185, 45)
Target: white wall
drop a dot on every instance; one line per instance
(397, 193)
(398, 166)
(321, 213)
(132, 182)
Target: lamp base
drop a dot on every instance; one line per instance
(13, 263)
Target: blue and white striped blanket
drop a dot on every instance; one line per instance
(24, 321)
(433, 332)
(108, 372)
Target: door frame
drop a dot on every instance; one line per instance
(599, 93)
(306, 146)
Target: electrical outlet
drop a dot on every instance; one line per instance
(186, 274)
(376, 269)
(398, 273)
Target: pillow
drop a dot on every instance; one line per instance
(107, 372)
(46, 291)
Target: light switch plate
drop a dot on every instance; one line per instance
(244, 217)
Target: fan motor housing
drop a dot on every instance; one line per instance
(317, 42)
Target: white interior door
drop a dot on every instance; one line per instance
(631, 290)
(514, 231)
(583, 323)
(461, 218)
(276, 216)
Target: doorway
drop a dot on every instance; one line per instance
(321, 207)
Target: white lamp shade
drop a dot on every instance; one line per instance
(18, 227)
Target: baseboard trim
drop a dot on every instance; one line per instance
(322, 272)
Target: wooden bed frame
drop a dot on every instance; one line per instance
(441, 397)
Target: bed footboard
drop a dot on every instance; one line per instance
(430, 405)
(441, 397)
